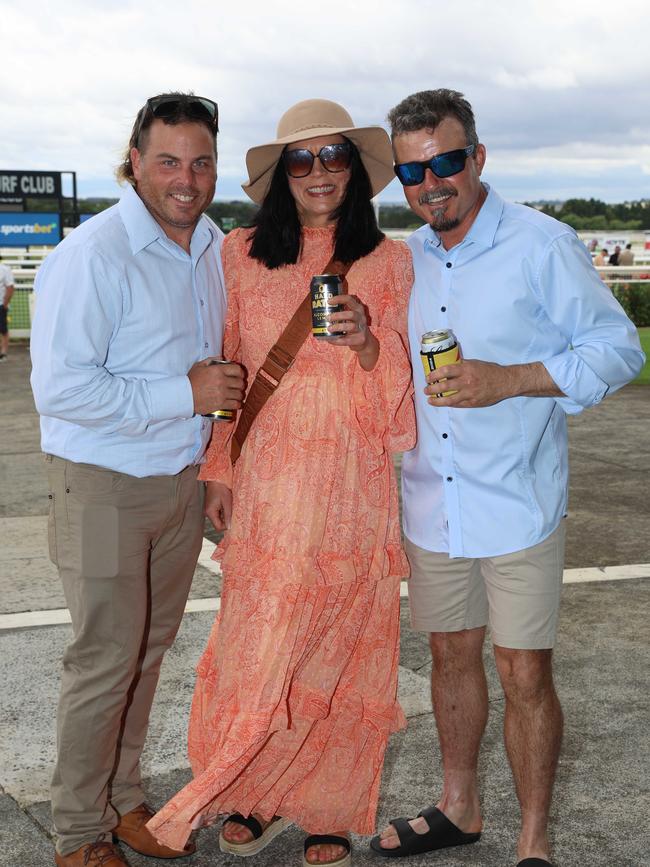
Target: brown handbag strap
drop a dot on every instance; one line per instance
(280, 358)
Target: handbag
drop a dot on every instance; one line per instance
(278, 361)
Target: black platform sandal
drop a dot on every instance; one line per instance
(261, 837)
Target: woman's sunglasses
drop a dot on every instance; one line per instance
(443, 166)
(299, 162)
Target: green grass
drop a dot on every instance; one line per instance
(644, 377)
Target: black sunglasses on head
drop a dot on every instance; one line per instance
(299, 162)
(196, 107)
(443, 166)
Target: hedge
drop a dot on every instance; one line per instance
(634, 298)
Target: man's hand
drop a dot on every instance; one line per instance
(483, 383)
(216, 386)
(352, 325)
(218, 505)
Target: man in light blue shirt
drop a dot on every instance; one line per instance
(129, 316)
(485, 489)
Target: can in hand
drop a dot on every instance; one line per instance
(220, 414)
(438, 348)
(324, 288)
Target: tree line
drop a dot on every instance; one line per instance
(594, 214)
(581, 214)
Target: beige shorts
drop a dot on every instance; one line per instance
(518, 594)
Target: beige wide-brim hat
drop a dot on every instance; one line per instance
(312, 118)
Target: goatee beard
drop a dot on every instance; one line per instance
(443, 224)
(438, 221)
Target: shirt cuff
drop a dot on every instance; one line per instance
(171, 398)
(581, 386)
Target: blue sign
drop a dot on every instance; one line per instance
(23, 230)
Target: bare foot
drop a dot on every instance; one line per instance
(326, 853)
(533, 846)
(233, 832)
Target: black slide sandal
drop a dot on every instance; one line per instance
(441, 834)
(534, 862)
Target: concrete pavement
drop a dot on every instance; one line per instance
(602, 800)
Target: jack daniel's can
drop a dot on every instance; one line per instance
(324, 288)
(220, 414)
(438, 348)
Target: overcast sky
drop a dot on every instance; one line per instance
(560, 88)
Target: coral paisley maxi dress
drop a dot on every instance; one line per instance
(296, 693)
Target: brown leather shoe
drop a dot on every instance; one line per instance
(97, 854)
(132, 831)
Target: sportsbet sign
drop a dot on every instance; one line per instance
(23, 230)
(21, 227)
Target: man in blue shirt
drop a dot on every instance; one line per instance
(130, 310)
(485, 489)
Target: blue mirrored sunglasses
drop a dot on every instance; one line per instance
(442, 165)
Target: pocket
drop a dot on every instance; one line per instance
(88, 480)
(100, 541)
(51, 529)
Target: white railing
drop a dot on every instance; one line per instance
(615, 274)
(25, 264)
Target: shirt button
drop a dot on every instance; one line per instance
(202, 303)
(450, 478)
(443, 309)
(444, 436)
(206, 345)
(449, 264)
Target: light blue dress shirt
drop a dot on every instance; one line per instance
(519, 288)
(122, 313)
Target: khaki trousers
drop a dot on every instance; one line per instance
(126, 549)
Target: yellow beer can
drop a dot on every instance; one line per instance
(438, 348)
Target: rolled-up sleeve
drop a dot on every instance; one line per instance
(603, 351)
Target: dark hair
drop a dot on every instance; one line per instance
(277, 231)
(140, 131)
(427, 108)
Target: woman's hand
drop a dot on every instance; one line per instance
(218, 505)
(352, 324)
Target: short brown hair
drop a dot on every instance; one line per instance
(143, 120)
(427, 108)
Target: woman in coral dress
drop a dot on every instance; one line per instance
(297, 689)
